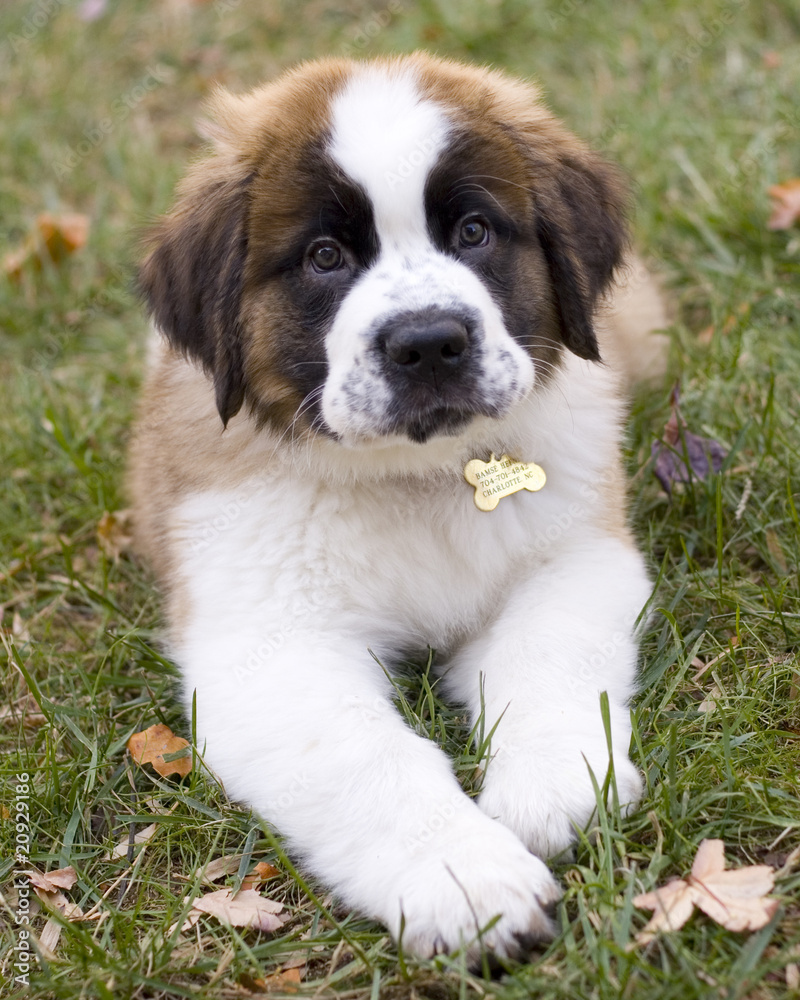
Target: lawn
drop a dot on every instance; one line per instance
(698, 102)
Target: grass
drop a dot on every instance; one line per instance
(698, 103)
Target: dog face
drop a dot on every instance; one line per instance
(385, 251)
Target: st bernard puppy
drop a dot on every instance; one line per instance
(384, 271)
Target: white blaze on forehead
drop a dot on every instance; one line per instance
(387, 137)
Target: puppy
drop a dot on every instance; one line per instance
(382, 272)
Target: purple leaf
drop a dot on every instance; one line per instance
(682, 456)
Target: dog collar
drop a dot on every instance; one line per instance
(500, 477)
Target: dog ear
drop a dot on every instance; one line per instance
(580, 222)
(192, 279)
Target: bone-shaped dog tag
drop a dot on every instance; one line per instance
(500, 477)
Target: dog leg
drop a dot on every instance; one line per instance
(564, 636)
(309, 738)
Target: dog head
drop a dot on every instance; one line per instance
(385, 250)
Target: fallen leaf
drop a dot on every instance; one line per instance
(703, 666)
(219, 867)
(735, 898)
(49, 938)
(48, 888)
(287, 980)
(153, 745)
(142, 837)
(53, 238)
(61, 878)
(114, 533)
(247, 909)
(259, 874)
(681, 456)
(786, 204)
(709, 703)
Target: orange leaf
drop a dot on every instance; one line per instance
(786, 204)
(259, 874)
(63, 234)
(152, 745)
(53, 237)
(288, 980)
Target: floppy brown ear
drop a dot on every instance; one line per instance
(192, 277)
(580, 222)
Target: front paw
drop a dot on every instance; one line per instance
(544, 797)
(476, 890)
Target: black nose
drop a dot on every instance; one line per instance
(427, 348)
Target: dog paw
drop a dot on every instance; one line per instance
(482, 891)
(543, 801)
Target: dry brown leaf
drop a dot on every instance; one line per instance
(115, 532)
(151, 745)
(735, 898)
(286, 980)
(142, 837)
(259, 874)
(48, 888)
(53, 236)
(219, 867)
(61, 878)
(703, 667)
(786, 204)
(247, 909)
(49, 938)
(711, 700)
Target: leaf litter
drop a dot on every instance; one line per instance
(735, 898)
(682, 456)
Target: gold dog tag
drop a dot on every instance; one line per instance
(500, 477)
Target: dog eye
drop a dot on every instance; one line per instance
(326, 257)
(473, 233)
